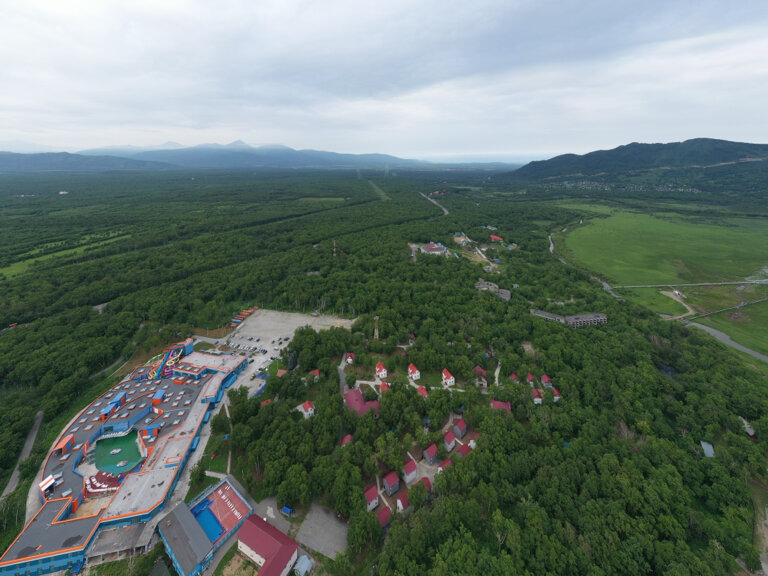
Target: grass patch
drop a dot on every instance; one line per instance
(202, 346)
(747, 326)
(226, 559)
(22, 266)
(583, 207)
(381, 194)
(646, 249)
(215, 455)
(655, 300)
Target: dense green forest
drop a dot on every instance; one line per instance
(611, 480)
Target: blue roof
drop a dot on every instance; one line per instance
(709, 450)
(158, 395)
(303, 565)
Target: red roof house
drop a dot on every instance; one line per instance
(536, 393)
(545, 381)
(383, 388)
(348, 439)
(464, 449)
(431, 453)
(555, 394)
(422, 391)
(495, 238)
(354, 400)
(402, 502)
(443, 465)
(315, 373)
(267, 401)
(266, 546)
(450, 440)
(391, 483)
(371, 497)
(427, 483)
(529, 378)
(381, 370)
(307, 409)
(383, 515)
(481, 375)
(409, 471)
(460, 427)
(350, 357)
(514, 377)
(499, 405)
(413, 372)
(281, 373)
(448, 379)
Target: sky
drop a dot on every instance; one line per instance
(430, 79)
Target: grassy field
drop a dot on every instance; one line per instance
(653, 299)
(666, 248)
(646, 249)
(23, 265)
(748, 326)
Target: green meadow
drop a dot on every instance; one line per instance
(632, 248)
(747, 326)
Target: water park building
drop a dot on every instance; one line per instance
(118, 461)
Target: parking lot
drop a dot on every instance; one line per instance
(263, 335)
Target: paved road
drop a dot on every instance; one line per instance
(342, 390)
(699, 284)
(30, 441)
(443, 208)
(725, 339)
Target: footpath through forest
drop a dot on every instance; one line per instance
(25, 452)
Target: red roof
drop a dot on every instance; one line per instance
(422, 391)
(315, 372)
(427, 483)
(445, 463)
(480, 370)
(383, 515)
(391, 479)
(545, 379)
(460, 424)
(514, 376)
(371, 494)
(347, 439)
(496, 238)
(412, 368)
(449, 437)
(536, 392)
(384, 387)
(409, 467)
(447, 374)
(529, 377)
(431, 451)
(403, 499)
(555, 392)
(464, 449)
(281, 373)
(276, 548)
(307, 406)
(499, 405)
(354, 399)
(380, 366)
(265, 402)
(351, 355)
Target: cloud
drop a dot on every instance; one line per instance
(410, 78)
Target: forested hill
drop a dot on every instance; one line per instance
(696, 153)
(11, 162)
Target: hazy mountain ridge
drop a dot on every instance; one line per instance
(697, 153)
(66, 162)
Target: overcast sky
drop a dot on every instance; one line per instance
(491, 79)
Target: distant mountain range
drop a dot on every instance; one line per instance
(65, 162)
(699, 153)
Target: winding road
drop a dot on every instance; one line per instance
(727, 340)
(443, 208)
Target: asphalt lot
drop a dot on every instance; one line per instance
(263, 335)
(323, 531)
